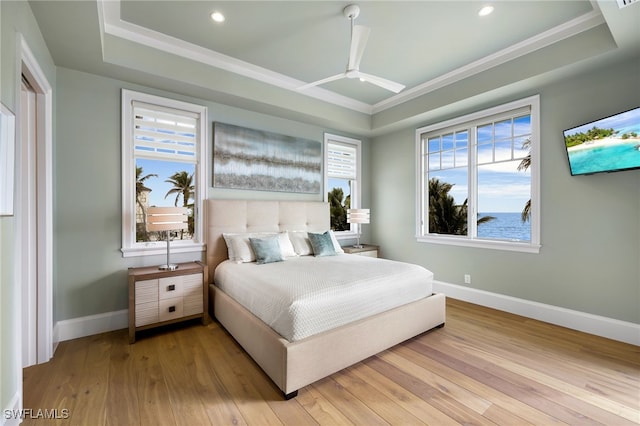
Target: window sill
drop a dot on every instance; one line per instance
(154, 249)
(516, 246)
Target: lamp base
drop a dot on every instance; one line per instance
(357, 246)
(169, 267)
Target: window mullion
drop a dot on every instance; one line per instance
(423, 197)
(472, 213)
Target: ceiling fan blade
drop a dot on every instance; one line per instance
(323, 81)
(382, 82)
(359, 38)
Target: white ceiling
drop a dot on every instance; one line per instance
(425, 45)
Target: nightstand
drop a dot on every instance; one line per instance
(366, 250)
(158, 297)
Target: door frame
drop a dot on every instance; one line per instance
(26, 64)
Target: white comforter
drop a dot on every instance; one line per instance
(307, 295)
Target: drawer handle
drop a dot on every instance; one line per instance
(172, 308)
(171, 287)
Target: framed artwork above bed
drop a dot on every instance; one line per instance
(264, 161)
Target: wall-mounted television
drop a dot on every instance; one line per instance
(608, 144)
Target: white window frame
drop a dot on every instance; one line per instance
(130, 247)
(356, 198)
(532, 246)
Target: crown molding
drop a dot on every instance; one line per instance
(111, 23)
(561, 32)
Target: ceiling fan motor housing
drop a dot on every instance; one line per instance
(352, 11)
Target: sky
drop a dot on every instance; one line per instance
(164, 169)
(500, 189)
(339, 183)
(625, 121)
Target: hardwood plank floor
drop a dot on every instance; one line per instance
(485, 367)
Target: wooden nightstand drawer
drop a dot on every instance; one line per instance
(170, 287)
(170, 309)
(146, 291)
(159, 297)
(191, 282)
(146, 313)
(192, 294)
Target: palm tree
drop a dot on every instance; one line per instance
(183, 185)
(445, 217)
(338, 206)
(140, 188)
(523, 166)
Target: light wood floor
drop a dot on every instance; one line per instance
(483, 367)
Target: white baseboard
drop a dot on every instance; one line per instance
(12, 413)
(593, 324)
(610, 328)
(89, 325)
(55, 337)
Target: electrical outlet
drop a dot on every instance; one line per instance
(467, 279)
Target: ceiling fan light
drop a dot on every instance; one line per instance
(486, 10)
(217, 16)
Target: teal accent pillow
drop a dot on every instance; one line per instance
(322, 244)
(267, 250)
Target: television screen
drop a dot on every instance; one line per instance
(606, 145)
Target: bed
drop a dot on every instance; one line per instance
(304, 356)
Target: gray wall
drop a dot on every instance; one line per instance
(590, 256)
(90, 272)
(15, 17)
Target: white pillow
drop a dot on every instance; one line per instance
(301, 243)
(243, 245)
(336, 245)
(239, 247)
(228, 237)
(242, 248)
(285, 245)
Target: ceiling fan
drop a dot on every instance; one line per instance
(359, 36)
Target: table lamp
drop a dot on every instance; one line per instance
(167, 219)
(358, 216)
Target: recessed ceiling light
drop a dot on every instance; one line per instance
(485, 11)
(217, 17)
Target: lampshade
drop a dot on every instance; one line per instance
(167, 218)
(357, 215)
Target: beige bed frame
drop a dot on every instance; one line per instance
(293, 365)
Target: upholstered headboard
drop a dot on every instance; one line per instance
(258, 216)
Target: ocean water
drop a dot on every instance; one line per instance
(604, 158)
(505, 226)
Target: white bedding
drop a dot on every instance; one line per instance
(306, 295)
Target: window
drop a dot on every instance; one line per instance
(478, 179)
(163, 144)
(342, 180)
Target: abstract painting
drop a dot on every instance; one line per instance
(264, 161)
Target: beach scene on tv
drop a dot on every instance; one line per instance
(605, 145)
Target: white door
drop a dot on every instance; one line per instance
(27, 223)
(34, 210)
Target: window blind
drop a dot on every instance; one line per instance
(163, 133)
(341, 161)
